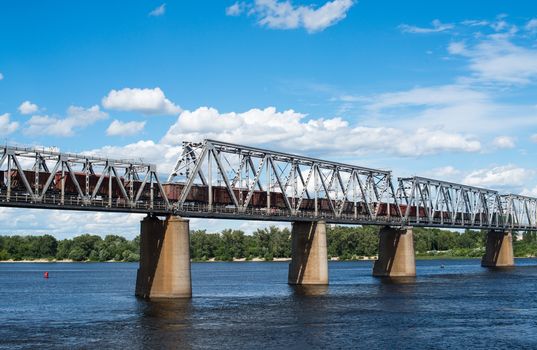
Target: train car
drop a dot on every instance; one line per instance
(70, 187)
(17, 183)
(136, 185)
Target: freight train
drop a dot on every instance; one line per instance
(17, 184)
(199, 194)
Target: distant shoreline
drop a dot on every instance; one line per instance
(244, 260)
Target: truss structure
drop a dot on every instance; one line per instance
(213, 179)
(48, 178)
(267, 182)
(429, 202)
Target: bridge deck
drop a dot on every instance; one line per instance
(159, 208)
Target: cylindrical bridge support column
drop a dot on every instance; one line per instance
(164, 270)
(396, 253)
(499, 250)
(309, 264)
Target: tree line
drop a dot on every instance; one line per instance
(344, 242)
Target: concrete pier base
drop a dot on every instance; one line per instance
(164, 270)
(499, 250)
(396, 253)
(309, 263)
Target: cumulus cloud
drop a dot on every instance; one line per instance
(118, 128)
(6, 125)
(159, 11)
(437, 27)
(145, 101)
(77, 118)
(28, 107)
(504, 142)
(291, 131)
(284, 15)
(499, 176)
(164, 155)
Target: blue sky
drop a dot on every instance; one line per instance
(445, 89)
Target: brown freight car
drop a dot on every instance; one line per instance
(70, 187)
(17, 183)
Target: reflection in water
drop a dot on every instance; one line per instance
(310, 290)
(165, 323)
(397, 280)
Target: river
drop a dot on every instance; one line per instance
(452, 304)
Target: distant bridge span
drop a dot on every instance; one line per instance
(215, 179)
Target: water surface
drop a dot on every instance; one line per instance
(249, 306)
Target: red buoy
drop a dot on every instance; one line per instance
(45, 274)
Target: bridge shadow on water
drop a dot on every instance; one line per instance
(164, 323)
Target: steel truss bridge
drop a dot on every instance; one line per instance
(214, 179)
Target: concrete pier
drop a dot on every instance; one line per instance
(164, 270)
(499, 250)
(309, 263)
(396, 253)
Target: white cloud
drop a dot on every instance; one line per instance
(28, 107)
(284, 15)
(475, 23)
(145, 101)
(437, 27)
(1, 76)
(124, 128)
(446, 172)
(159, 11)
(458, 108)
(7, 126)
(456, 48)
(499, 176)
(497, 59)
(531, 26)
(529, 192)
(289, 130)
(443, 95)
(77, 118)
(534, 138)
(236, 9)
(66, 224)
(504, 142)
(148, 151)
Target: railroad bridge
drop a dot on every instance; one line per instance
(214, 179)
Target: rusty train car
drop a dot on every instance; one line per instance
(17, 184)
(199, 194)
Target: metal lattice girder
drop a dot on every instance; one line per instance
(296, 183)
(41, 176)
(430, 201)
(213, 179)
(519, 211)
